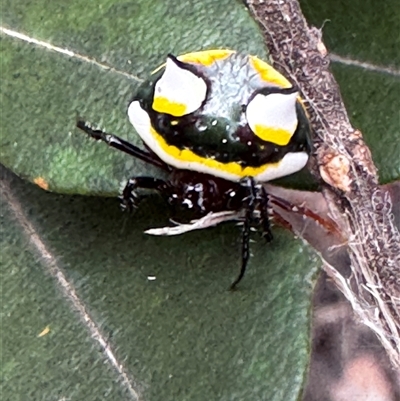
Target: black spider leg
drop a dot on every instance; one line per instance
(263, 201)
(122, 145)
(249, 206)
(129, 199)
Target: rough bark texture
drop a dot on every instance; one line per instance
(343, 165)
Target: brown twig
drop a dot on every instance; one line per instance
(343, 165)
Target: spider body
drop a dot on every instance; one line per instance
(220, 123)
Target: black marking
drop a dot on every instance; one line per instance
(236, 144)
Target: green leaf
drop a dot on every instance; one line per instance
(362, 30)
(373, 103)
(62, 364)
(182, 336)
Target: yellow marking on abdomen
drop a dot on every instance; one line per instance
(277, 136)
(268, 73)
(187, 156)
(163, 105)
(206, 57)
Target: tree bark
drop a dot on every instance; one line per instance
(342, 164)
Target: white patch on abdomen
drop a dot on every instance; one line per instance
(290, 163)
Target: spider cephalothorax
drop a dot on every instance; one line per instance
(220, 123)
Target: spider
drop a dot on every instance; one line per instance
(220, 123)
